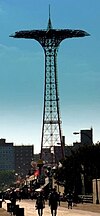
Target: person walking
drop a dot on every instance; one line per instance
(40, 204)
(13, 198)
(69, 199)
(53, 202)
(3, 197)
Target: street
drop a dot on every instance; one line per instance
(29, 210)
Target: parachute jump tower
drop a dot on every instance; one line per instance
(50, 40)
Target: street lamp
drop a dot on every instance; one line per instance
(75, 133)
(85, 134)
(97, 198)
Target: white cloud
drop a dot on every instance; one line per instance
(7, 48)
(22, 55)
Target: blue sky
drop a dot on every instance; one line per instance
(22, 69)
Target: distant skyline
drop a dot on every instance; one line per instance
(22, 69)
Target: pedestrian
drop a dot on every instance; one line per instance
(13, 197)
(69, 199)
(53, 202)
(40, 203)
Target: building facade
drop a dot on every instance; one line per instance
(7, 156)
(87, 136)
(23, 157)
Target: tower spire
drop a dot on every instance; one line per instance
(49, 26)
(51, 127)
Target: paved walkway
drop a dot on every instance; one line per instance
(3, 212)
(29, 210)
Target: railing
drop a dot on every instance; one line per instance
(86, 198)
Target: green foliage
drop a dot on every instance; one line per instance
(6, 179)
(85, 161)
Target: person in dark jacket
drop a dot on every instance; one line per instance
(69, 199)
(13, 197)
(53, 202)
(40, 203)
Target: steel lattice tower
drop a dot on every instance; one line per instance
(50, 40)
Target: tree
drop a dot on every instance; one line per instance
(86, 161)
(7, 178)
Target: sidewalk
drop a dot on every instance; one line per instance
(88, 207)
(3, 212)
(85, 207)
(79, 210)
